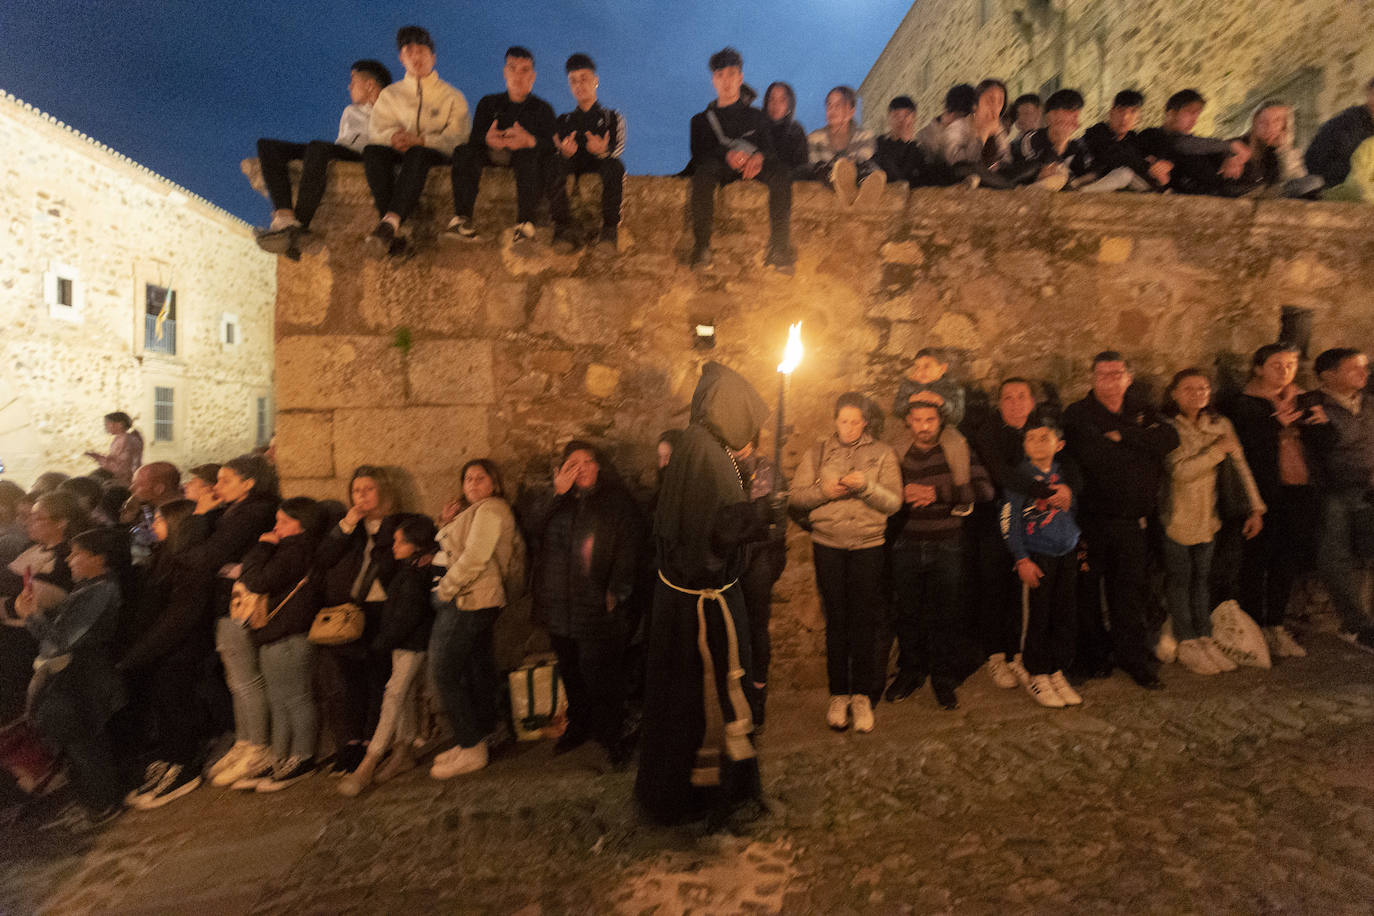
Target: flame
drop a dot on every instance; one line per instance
(792, 355)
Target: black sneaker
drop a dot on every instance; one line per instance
(459, 229)
(1145, 678)
(904, 685)
(378, 241)
(398, 247)
(276, 241)
(286, 773)
(347, 758)
(177, 781)
(944, 694)
(782, 259)
(152, 779)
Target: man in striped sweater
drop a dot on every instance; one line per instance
(927, 562)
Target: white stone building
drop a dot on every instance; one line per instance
(90, 245)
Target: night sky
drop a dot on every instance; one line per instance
(185, 88)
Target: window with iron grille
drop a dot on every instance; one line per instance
(162, 414)
(160, 320)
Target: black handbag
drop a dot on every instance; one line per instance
(1233, 502)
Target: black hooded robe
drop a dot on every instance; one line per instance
(704, 518)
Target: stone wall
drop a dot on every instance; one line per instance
(456, 353)
(77, 210)
(1315, 53)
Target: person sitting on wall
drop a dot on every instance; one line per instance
(1050, 157)
(1200, 165)
(415, 125)
(126, 448)
(896, 152)
(730, 140)
(1275, 168)
(1358, 186)
(290, 225)
(841, 153)
(1115, 155)
(514, 128)
(1026, 114)
(787, 133)
(1334, 146)
(976, 148)
(587, 139)
(959, 103)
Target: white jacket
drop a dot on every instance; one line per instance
(430, 107)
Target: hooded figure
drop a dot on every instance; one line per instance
(696, 754)
(789, 137)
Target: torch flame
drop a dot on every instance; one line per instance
(792, 355)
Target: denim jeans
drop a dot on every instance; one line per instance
(926, 578)
(463, 663)
(398, 717)
(286, 664)
(246, 685)
(1336, 560)
(1187, 591)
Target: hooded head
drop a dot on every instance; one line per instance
(727, 405)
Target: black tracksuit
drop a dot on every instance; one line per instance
(595, 120)
(530, 165)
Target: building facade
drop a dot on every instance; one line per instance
(120, 290)
(1316, 54)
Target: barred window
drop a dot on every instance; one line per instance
(162, 414)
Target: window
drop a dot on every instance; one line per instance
(162, 414)
(62, 292)
(264, 422)
(229, 335)
(159, 320)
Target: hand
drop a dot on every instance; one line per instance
(1161, 170)
(736, 160)
(1029, 573)
(563, 478)
(1114, 435)
(566, 145)
(752, 166)
(496, 138)
(833, 489)
(1254, 524)
(96, 455)
(1316, 414)
(403, 140)
(353, 516)
(450, 511)
(25, 604)
(519, 138)
(598, 144)
(918, 494)
(208, 501)
(610, 603)
(1288, 414)
(1061, 497)
(269, 537)
(1231, 446)
(854, 481)
(1233, 167)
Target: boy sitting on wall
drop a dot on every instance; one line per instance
(587, 139)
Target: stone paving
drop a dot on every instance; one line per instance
(1249, 792)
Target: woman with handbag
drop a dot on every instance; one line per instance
(1190, 515)
(356, 564)
(278, 569)
(477, 544)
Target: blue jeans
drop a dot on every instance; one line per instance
(463, 664)
(926, 577)
(247, 688)
(286, 664)
(1187, 591)
(1336, 560)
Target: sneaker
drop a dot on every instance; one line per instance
(1284, 645)
(944, 694)
(782, 259)
(1000, 671)
(566, 240)
(1195, 658)
(459, 760)
(1065, 690)
(1218, 657)
(1043, 692)
(961, 510)
(254, 777)
(844, 178)
(861, 710)
(230, 757)
(347, 758)
(176, 782)
(1166, 649)
(610, 239)
(378, 241)
(871, 191)
(276, 241)
(459, 229)
(398, 247)
(1018, 671)
(971, 183)
(522, 234)
(77, 819)
(152, 778)
(904, 685)
(286, 773)
(1362, 639)
(837, 713)
(251, 759)
(700, 258)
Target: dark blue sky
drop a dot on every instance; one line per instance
(186, 87)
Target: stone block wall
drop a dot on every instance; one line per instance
(455, 353)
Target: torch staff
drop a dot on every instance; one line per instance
(792, 357)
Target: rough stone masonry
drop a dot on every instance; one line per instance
(451, 354)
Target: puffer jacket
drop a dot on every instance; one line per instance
(850, 522)
(475, 547)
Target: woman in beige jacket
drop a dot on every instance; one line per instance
(1190, 518)
(477, 543)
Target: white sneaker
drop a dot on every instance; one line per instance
(1065, 690)
(861, 709)
(1166, 650)
(844, 178)
(1218, 657)
(522, 233)
(1018, 671)
(1000, 671)
(466, 760)
(230, 757)
(1286, 645)
(837, 715)
(253, 760)
(1195, 658)
(1043, 691)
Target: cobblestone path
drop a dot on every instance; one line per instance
(1250, 792)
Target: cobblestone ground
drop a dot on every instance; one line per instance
(1250, 792)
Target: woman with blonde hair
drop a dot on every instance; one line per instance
(1275, 167)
